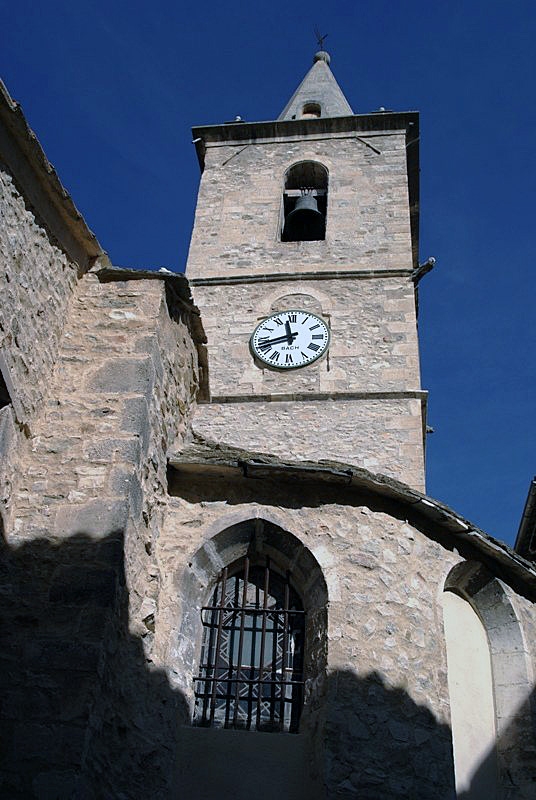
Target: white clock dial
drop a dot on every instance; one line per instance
(290, 339)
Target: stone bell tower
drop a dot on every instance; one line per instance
(315, 211)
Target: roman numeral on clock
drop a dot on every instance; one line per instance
(288, 359)
(313, 346)
(275, 356)
(291, 317)
(318, 336)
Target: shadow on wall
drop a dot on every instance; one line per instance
(82, 714)
(516, 768)
(381, 744)
(85, 717)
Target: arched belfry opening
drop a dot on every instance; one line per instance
(261, 602)
(305, 197)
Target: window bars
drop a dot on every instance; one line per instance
(251, 670)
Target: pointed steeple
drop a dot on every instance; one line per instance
(318, 95)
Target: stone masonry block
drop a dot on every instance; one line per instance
(135, 419)
(95, 518)
(123, 375)
(124, 481)
(107, 450)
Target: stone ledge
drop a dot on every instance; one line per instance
(272, 277)
(413, 394)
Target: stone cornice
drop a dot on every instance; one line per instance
(239, 133)
(412, 394)
(274, 277)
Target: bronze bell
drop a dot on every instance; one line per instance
(305, 223)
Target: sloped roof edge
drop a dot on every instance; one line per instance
(202, 455)
(320, 85)
(527, 527)
(39, 183)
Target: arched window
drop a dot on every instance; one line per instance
(251, 668)
(311, 110)
(489, 684)
(470, 685)
(305, 203)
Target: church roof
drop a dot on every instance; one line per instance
(39, 181)
(319, 88)
(441, 522)
(526, 538)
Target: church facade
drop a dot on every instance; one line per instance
(221, 574)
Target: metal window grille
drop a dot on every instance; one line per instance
(251, 670)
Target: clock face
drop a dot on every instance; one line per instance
(290, 339)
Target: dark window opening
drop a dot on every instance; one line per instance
(251, 670)
(305, 199)
(5, 399)
(311, 110)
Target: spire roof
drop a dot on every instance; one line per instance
(318, 95)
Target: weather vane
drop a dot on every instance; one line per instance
(320, 38)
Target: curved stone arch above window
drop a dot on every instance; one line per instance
(298, 300)
(301, 295)
(510, 675)
(258, 538)
(307, 172)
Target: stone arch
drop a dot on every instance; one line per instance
(510, 691)
(317, 301)
(287, 552)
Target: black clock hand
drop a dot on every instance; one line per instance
(289, 332)
(270, 342)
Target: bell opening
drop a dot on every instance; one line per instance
(305, 196)
(305, 218)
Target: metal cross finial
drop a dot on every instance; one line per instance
(320, 38)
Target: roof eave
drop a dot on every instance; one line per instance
(39, 183)
(221, 459)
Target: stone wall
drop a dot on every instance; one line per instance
(37, 281)
(385, 724)
(381, 435)
(239, 210)
(361, 404)
(373, 330)
(80, 572)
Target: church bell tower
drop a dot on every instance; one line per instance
(303, 262)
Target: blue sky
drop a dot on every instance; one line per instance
(113, 89)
